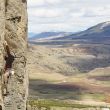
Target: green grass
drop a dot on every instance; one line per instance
(94, 96)
(56, 103)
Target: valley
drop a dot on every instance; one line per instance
(70, 70)
(79, 72)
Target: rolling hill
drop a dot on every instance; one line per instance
(49, 35)
(98, 33)
(73, 67)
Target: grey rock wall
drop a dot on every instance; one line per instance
(2, 32)
(13, 29)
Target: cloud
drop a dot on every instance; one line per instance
(97, 11)
(66, 15)
(32, 3)
(53, 1)
(45, 12)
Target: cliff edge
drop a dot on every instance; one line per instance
(13, 30)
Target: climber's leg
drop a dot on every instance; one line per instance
(5, 90)
(5, 78)
(6, 75)
(12, 72)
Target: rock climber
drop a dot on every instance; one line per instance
(8, 71)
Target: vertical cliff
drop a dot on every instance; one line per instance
(2, 32)
(13, 29)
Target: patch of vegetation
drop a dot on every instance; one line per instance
(56, 103)
(94, 96)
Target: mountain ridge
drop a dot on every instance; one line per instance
(48, 35)
(99, 31)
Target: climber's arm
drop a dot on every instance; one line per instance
(6, 48)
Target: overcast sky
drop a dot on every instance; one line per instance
(66, 15)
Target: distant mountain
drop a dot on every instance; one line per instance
(31, 34)
(99, 32)
(49, 35)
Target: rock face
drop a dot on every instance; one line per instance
(13, 29)
(2, 31)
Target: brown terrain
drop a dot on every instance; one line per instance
(78, 72)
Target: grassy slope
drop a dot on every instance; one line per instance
(69, 72)
(48, 104)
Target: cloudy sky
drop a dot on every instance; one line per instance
(66, 15)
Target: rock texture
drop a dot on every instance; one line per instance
(2, 31)
(13, 29)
